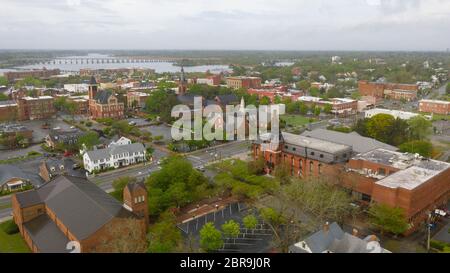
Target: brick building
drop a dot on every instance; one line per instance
(103, 103)
(243, 82)
(38, 73)
(272, 93)
(394, 91)
(408, 181)
(74, 209)
(82, 104)
(30, 108)
(339, 106)
(435, 106)
(304, 155)
(8, 110)
(403, 180)
(136, 99)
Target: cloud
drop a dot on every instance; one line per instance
(226, 24)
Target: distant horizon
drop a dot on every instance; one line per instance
(282, 25)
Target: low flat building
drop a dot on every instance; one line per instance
(75, 209)
(395, 91)
(30, 108)
(243, 82)
(440, 107)
(137, 99)
(63, 137)
(13, 130)
(408, 181)
(37, 73)
(8, 110)
(339, 106)
(395, 113)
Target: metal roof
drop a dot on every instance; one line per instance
(359, 143)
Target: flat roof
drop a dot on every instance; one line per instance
(409, 178)
(314, 143)
(436, 101)
(38, 98)
(401, 160)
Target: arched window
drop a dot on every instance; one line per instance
(292, 165)
(300, 167)
(320, 168)
(311, 166)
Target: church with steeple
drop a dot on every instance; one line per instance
(182, 85)
(103, 103)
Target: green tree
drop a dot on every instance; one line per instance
(388, 219)
(164, 235)
(256, 166)
(303, 85)
(447, 88)
(380, 127)
(303, 108)
(210, 238)
(327, 108)
(90, 139)
(118, 186)
(424, 148)
(317, 110)
(356, 95)
(231, 229)
(264, 101)
(314, 91)
(250, 221)
(420, 128)
(282, 172)
(161, 102)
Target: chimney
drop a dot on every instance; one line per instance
(355, 232)
(373, 238)
(326, 227)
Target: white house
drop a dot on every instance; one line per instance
(118, 154)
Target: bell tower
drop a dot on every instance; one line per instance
(135, 200)
(182, 86)
(92, 88)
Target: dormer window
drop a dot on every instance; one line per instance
(52, 169)
(61, 167)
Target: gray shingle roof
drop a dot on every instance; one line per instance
(46, 235)
(115, 150)
(228, 99)
(103, 96)
(8, 172)
(79, 204)
(359, 143)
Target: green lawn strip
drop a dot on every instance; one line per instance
(12, 243)
(295, 120)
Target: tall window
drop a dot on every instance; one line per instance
(320, 169)
(311, 166)
(300, 167)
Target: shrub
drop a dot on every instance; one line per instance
(10, 227)
(438, 245)
(89, 123)
(32, 153)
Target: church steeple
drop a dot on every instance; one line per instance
(182, 86)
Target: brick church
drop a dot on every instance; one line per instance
(103, 103)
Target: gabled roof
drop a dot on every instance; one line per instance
(359, 143)
(78, 203)
(103, 96)
(46, 235)
(115, 150)
(8, 172)
(227, 99)
(134, 186)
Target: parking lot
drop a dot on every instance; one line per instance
(249, 241)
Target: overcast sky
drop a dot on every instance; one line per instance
(226, 24)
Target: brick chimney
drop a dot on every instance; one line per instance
(135, 200)
(326, 227)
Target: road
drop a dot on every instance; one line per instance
(198, 158)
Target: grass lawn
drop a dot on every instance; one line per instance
(296, 120)
(12, 243)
